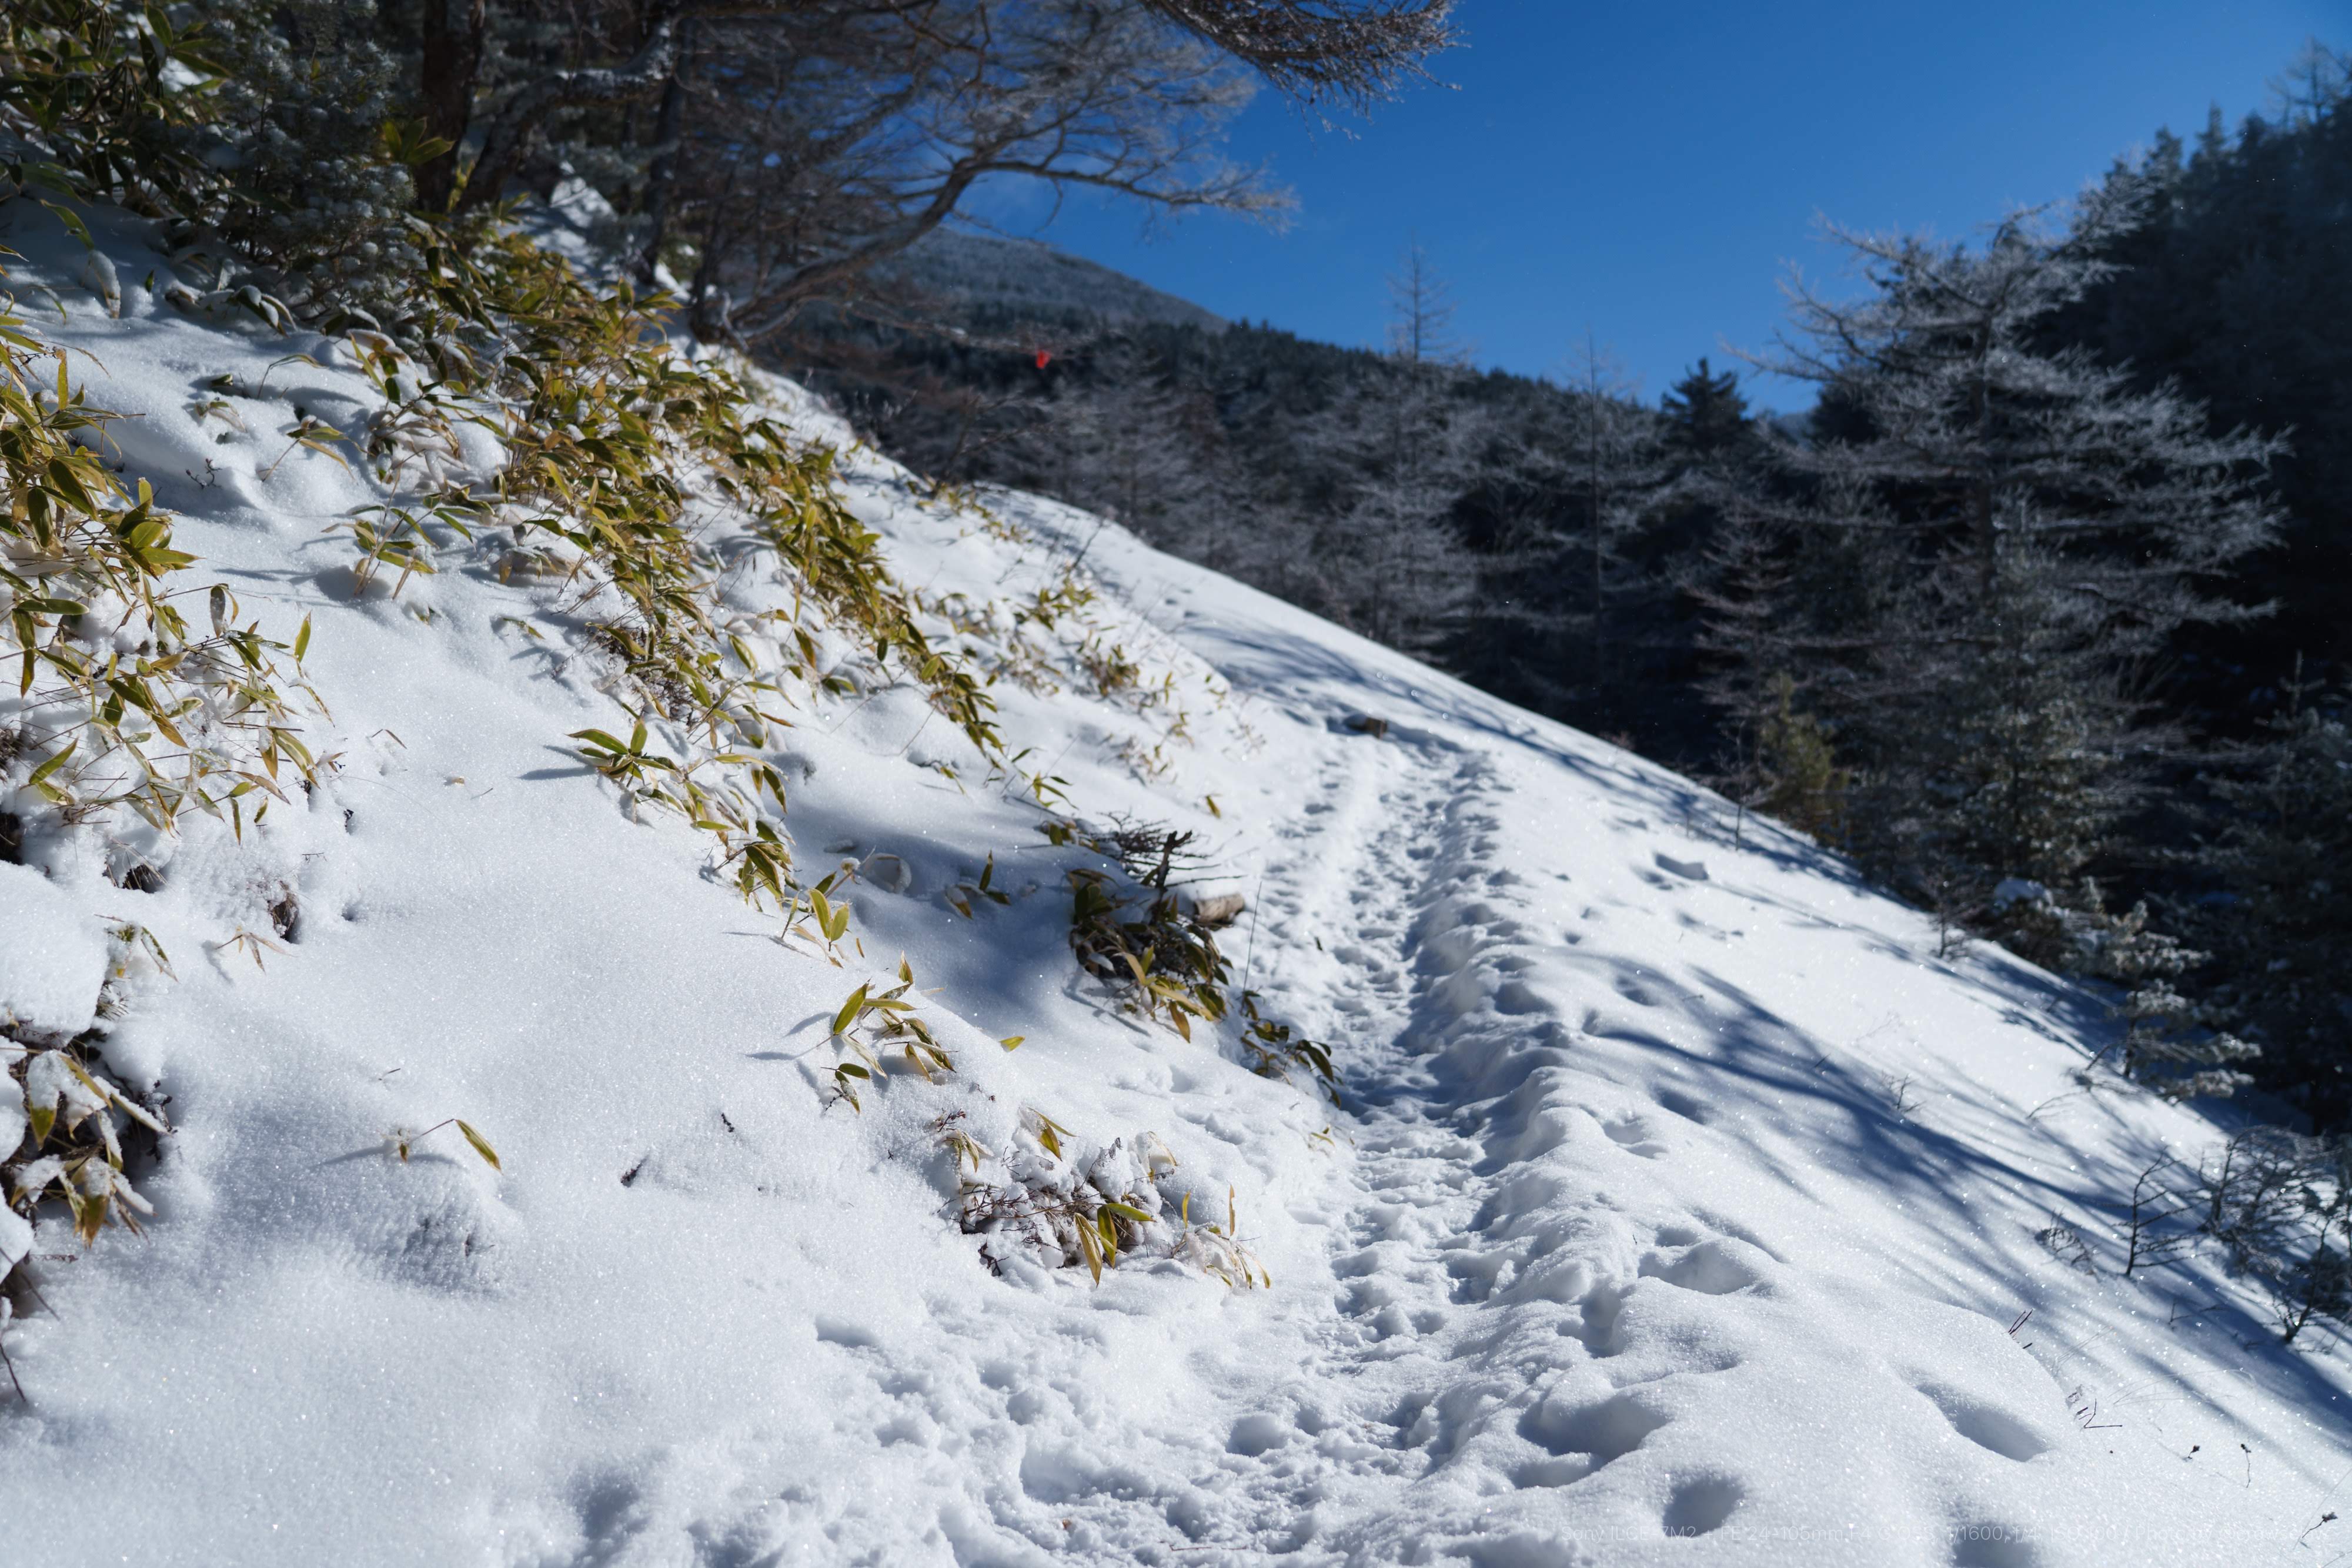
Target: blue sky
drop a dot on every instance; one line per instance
(1646, 172)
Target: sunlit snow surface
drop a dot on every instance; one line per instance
(1679, 1211)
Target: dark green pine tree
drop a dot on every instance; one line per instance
(1706, 414)
(2230, 282)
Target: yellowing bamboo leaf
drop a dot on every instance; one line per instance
(481, 1146)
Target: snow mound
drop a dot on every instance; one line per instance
(52, 962)
(1682, 1205)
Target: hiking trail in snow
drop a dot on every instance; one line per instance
(1682, 1206)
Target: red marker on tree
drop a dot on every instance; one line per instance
(1044, 358)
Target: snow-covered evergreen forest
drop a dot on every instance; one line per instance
(694, 868)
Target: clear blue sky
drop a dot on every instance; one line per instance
(1647, 170)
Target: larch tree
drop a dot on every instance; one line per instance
(1137, 445)
(1421, 313)
(1610, 466)
(1396, 569)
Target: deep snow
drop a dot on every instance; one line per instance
(1682, 1207)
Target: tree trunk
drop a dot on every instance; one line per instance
(453, 31)
(1599, 545)
(662, 180)
(1988, 539)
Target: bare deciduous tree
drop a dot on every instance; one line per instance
(797, 143)
(1420, 306)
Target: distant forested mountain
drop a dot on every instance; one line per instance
(975, 279)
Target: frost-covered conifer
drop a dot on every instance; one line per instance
(2010, 531)
(2174, 1045)
(2283, 927)
(1133, 444)
(1601, 463)
(1393, 565)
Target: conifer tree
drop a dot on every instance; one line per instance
(2013, 531)
(1705, 413)
(2282, 929)
(1597, 463)
(1394, 565)
(2230, 282)
(1136, 447)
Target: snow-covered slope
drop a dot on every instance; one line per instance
(1682, 1207)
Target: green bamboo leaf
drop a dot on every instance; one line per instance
(67, 481)
(72, 221)
(52, 765)
(849, 1011)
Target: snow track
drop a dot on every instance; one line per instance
(1565, 1321)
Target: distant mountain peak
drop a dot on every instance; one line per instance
(988, 276)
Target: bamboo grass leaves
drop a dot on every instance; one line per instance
(872, 1023)
(119, 699)
(645, 479)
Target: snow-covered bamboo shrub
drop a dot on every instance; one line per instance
(1054, 1200)
(617, 449)
(122, 707)
(121, 701)
(1136, 932)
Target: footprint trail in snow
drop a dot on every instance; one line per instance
(1583, 1302)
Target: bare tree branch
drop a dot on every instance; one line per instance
(1358, 51)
